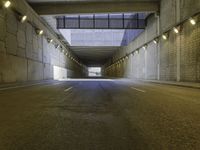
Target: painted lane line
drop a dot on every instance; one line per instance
(57, 83)
(138, 90)
(68, 89)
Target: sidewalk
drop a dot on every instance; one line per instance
(183, 84)
(27, 83)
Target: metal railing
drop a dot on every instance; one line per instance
(101, 22)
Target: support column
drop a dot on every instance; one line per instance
(158, 47)
(145, 64)
(178, 43)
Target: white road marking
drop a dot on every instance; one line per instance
(57, 83)
(68, 89)
(138, 90)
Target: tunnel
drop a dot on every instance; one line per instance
(99, 74)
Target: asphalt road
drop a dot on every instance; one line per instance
(99, 115)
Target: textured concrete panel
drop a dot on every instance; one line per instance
(2, 47)
(2, 13)
(35, 70)
(13, 68)
(167, 14)
(189, 7)
(48, 71)
(21, 39)
(21, 52)
(2, 29)
(35, 43)
(151, 29)
(11, 43)
(29, 33)
(152, 61)
(11, 22)
(29, 49)
(47, 50)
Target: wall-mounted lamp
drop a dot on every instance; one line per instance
(23, 18)
(50, 40)
(192, 21)
(164, 36)
(144, 47)
(155, 41)
(39, 32)
(7, 4)
(176, 30)
(57, 46)
(132, 54)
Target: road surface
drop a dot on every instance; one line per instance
(99, 115)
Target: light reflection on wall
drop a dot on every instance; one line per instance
(59, 73)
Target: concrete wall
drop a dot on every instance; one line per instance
(24, 55)
(174, 59)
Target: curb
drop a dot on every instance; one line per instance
(175, 84)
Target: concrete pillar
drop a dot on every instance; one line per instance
(145, 64)
(158, 47)
(178, 48)
(131, 65)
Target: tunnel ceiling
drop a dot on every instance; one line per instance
(94, 55)
(89, 54)
(38, 1)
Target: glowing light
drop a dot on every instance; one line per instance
(57, 46)
(144, 47)
(51, 41)
(155, 41)
(192, 21)
(176, 30)
(164, 37)
(23, 19)
(7, 4)
(39, 32)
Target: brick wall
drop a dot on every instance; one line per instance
(174, 59)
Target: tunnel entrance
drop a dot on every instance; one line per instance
(94, 72)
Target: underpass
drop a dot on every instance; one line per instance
(99, 75)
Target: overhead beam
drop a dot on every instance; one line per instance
(93, 7)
